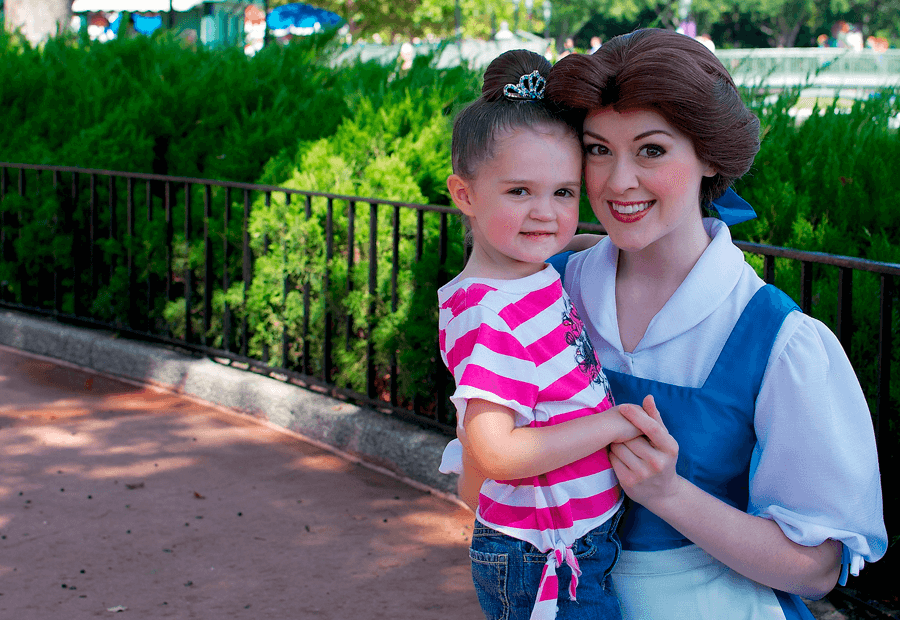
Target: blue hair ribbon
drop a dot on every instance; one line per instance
(731, 208)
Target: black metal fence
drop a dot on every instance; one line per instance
(187, 262)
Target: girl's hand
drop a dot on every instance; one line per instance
(645, 465)
(621, 428)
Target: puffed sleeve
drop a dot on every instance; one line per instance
(814, 469)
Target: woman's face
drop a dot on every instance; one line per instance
(643, 178)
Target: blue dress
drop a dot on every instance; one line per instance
(713, 425)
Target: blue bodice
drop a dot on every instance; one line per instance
(712, 424)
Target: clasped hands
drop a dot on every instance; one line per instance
(645, 465)
(643, 453)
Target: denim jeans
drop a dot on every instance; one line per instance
(507, 573)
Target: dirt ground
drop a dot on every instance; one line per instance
(116, 498)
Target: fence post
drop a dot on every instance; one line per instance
(329, 317)
(373, 288)
(845, 308)
(57, 278)
(885, 334)
(285, 290)
(92, 237)
(22, 274)
(169, 234)
(188, 272)
(226, 257)
(150, 252)
(265, 252)
(351, 247)
(395, 261)
(247, 273)
(307, 362)
(4, 233)
(769, 269)
(207, 264)
(806, 287)
(129, 228)
(77, 247)
(883, 409)
(113, 223)
(440, 372)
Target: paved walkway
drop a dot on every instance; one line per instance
(119, 498)
(115, 497)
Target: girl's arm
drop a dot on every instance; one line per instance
(468, 487)
(502, 451)
(753, 546)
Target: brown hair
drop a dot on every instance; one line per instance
(677, 77)
(477, 126)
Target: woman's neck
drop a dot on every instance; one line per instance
(668, 260)
(647, 278)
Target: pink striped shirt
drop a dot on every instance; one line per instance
(520, 344)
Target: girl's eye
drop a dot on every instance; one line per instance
(595, 149)
(518, 191)
(564, 192)
(652, 151)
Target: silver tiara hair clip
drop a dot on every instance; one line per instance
(530, 86)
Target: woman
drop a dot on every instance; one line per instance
(759, 477)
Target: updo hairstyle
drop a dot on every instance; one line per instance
(677, 77)
(477, 127)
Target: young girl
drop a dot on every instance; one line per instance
(532, 402)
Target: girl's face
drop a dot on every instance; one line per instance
(643, 179)
(523, 203)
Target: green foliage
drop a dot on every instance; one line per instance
(409, 18)
(287, 118)
(395, 145)
(825, 186)
(152, 105)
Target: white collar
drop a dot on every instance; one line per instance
(706, 287)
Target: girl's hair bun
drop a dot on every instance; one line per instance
(510, 68)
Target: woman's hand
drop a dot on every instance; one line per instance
(645, 465)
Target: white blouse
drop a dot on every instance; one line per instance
(814, 468)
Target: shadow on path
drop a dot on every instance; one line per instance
(115, 495)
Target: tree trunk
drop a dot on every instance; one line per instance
(38, 20)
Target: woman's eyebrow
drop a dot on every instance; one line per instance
(593, 135)
(636, 138)
(652, 132)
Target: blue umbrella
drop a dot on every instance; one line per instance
(301, 15)
(146, 24)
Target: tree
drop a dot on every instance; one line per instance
(750, 23)
(782, 20)
(37, 20)
(880, 18)
(570, 16)
(478, 18)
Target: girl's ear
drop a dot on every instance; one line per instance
(459, 191)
